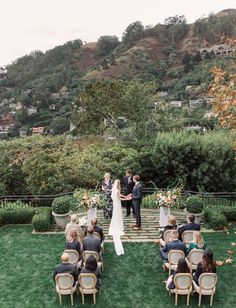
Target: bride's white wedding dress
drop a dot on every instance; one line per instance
(116, 228)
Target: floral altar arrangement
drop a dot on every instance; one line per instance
(83, 221)
(166, 200)
(87, 199)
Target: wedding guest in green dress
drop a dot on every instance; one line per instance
(197, 242)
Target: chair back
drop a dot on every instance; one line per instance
(167, 235)
(207, 281)
(87, 281)
(97, 235)
(87, 254)
(187, 236)
(64, 281)
(183, 281)
(73, 255)
(195, 256)
(174, 256)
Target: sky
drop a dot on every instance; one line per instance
(28, 25)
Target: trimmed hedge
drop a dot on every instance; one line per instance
(217, 216)
(18, 215)
(42, 219)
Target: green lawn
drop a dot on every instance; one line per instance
(132, 280)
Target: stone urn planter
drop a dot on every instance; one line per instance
(194, 206)
(61, 219)
(61, 211)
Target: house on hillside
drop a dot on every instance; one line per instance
(38, 130)
(162, 93)
(52, 107)
(195, 128)
(176, 104)
(195, 103)
(31, 110)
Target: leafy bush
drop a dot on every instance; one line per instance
(194, 204)
(61, 205)
(42, 219)
(16, 215)
(217, 221)
(149, 201)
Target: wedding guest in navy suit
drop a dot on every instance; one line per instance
(174, 243)
(66, 267)
(191, 225)
(128, 189)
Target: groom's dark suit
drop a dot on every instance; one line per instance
(137, 200)
(128, 189)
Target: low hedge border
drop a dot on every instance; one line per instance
(21, 213)
(217, 217)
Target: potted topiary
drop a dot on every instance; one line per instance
(61, 211)
(194, 206)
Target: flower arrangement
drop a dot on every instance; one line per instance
(83, 221)
(87, 199)
(168, 198)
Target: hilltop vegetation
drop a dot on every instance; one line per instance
(166, 54)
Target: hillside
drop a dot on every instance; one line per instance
(38, 89)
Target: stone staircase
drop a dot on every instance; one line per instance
(150, 226)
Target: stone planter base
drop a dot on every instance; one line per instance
(61, 219)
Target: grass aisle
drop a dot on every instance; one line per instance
(133, 280)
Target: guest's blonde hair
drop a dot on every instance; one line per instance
(73, 235)
(171, 220)
(198, 239)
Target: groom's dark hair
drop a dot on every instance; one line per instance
(129, 171)
(137, 178)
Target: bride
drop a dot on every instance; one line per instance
(116, 228)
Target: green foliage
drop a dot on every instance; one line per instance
(61, 205)
(149, 201)
(42, 219)
(214, 218)
(194, 204)
(199, 162)
(16, 213)
(133, 33)
(106, 44)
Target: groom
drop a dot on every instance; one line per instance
(137, 200)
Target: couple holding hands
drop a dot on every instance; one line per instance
(134, 200)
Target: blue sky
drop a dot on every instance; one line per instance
(27, 25)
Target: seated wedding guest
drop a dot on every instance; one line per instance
(206, 266)
(97, 229)
(171, 225)
(66, 267)
(91, 242)
(73, 225)
(197, 242)
(191, 225)
(91, 267)
(73, 241)
(182, 267)
(174, 243)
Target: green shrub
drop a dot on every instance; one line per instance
(217, 221)
(42, 220)
(61, 205)
(229, 212)
(194, 204)
(16, 215)
(149, 201)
